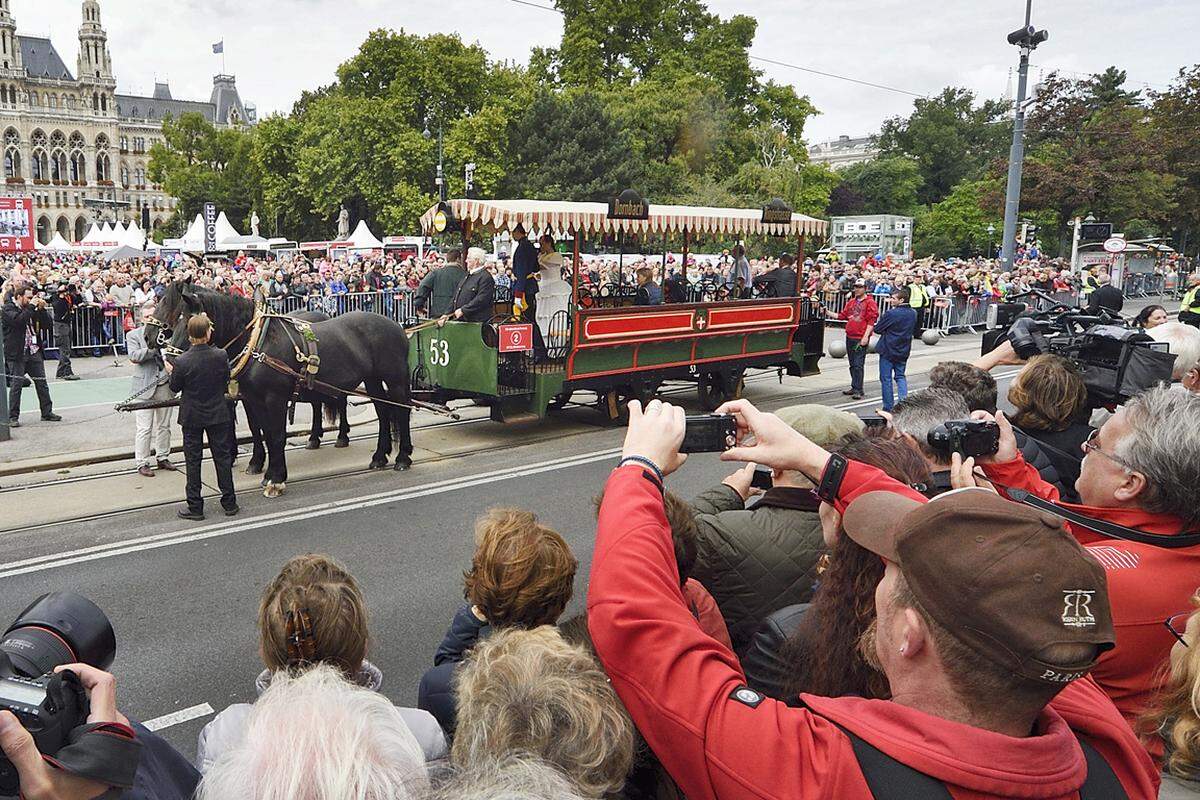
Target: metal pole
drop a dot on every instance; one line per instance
(441, 176)
(1075, 246)
(5, 432)
(1016, 155)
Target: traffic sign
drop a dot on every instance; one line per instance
(1114, 245)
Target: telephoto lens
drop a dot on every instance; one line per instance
(59, 628)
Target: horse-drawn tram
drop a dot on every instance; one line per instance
(600, 341)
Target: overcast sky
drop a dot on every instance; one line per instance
(276, 49)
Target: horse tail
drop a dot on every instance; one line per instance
(330, 410)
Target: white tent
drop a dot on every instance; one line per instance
(93, 235)
(225, 230)
(99, 239)
(134, 237)
(192, 239)
(363, 239)
(57, 243)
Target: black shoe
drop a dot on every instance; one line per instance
(14, 423)
(232, 512)
(184, 513)
(858, 396)
(71, 377)
(848, 392)
(51, 417)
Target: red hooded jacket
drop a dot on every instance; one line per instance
(1146, 584)
(679, 687)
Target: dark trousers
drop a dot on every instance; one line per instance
(857, 354)
(62, 340)
(33, 366)
(193, 451)
(1190, 318)
(920, 322)
(530, 316)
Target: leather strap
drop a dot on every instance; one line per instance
(1102, 527)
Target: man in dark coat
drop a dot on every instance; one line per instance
(437, 288)
(65, 301)
(525, 286)
(25, 318)
(1107, 296)
(202, 374)
(475, 296)
(783, 277)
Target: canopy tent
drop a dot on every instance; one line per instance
(123, 253)
(100, 239)
(363, 239)
(225, 231)
(93, 234)
(561, 216)
(192, 239)
(134, 237)
(57, 242)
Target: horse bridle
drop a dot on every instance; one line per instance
(161, 338)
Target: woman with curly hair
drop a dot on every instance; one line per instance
(1174, 720)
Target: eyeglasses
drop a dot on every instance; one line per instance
(1177, 625)
(1090, 446)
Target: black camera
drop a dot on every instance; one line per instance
(1115, 360)
(967, 437)
(57, 628)
(710, 433)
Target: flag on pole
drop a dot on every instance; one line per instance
(219, 48)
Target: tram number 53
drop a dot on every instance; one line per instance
(439, 352)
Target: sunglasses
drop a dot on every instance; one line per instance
(1177, 625)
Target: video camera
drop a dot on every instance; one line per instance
(56, 629)
(1116, 361)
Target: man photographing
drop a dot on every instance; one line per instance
(985, 649)
(24, 319)
(201, 375)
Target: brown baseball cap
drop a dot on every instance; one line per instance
(1006, 580)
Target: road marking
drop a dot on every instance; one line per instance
(157, 541)
(179, 717)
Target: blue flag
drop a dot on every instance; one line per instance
(219, 47)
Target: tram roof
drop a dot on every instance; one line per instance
(561, 215)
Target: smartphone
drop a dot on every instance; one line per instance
(710, 433)
(874, 422)
(764, 478)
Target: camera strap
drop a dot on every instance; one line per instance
(105, 752)
(1102, 527)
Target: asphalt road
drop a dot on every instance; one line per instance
(184, 600)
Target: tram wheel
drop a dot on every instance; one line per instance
(715, 388)
(643, 390)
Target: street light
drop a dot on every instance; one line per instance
(991, 229)
(441, 180)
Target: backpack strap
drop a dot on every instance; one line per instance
(1101, 783)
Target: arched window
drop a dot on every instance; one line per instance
(80, 229)
(52, 100)
(125, 176)
(103, 167)
(77, 161)
(12, 154)
(40, 166)
(104, 102)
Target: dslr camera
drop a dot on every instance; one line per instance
(967, 437)
(1115, 360)
(57, 628)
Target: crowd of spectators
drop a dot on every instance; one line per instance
(886, 620)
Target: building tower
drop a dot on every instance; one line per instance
(10, 48)
(95, 64)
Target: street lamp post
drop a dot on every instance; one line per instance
(1026, 38)
(441, 173)
(991, 229)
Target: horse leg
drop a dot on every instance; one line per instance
(343, 439)
(401, 423)
(317, 430)
(259, 455)
(275, 432)
(383, 447)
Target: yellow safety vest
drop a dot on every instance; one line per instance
(1089, 283)
(918, 296)
(1191, 301)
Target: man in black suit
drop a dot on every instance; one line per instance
(201, 375)
(783, 277)
(525, 286)
(25, 318)
(475, 297)
(1106, 296)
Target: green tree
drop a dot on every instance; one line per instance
(1175, 117)
(881, 186)
(957, 226)
(949, 137)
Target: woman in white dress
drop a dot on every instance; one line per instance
(554, 293)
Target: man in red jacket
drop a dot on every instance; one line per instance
(860, 316)
(989, 616)
(1141, 470)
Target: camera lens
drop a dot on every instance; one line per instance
(59, 628)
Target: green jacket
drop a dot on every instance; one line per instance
(756, 561)
(437, 289)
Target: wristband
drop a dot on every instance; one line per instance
(831, 478)
(658, 473)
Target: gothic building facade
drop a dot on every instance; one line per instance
(74, 144)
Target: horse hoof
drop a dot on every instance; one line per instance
(254, 469)
(313, 444)
(274, 490)
(377, 463)
(341, 442)
(403, 465)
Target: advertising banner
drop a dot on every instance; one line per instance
(16, 224)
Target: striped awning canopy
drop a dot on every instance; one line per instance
(560, 216)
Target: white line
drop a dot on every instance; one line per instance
(180, 716)
(98, 552)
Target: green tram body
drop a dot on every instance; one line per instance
(621, 353)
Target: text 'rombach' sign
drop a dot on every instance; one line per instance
(777, 212)
(210, 227)
(628, 205)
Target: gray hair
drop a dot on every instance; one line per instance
(528, 691)
(923, 411)
(515, 778)
(1164, 445)
(476, 254)
(1184, 343)
(316, 736)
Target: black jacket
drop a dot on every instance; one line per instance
(436, 692)
(1107, 296)
(784, 280)
(16, 320)
(201, 375)
(65, 305)
(476, 296)
(525, 269)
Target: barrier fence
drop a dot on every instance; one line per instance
(98, 330)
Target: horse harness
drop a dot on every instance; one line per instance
(304, 345)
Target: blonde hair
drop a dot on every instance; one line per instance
(334, 616)
(1175, 714)
(529, 692)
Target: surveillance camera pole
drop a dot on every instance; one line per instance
(1016, 155)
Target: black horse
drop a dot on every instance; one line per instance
(358, 348)
(332, 408)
